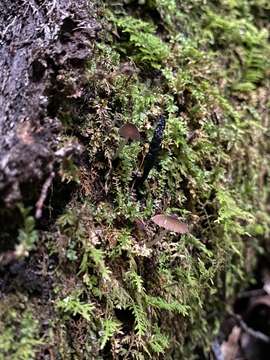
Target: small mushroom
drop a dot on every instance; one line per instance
(171, 223)
(129, 132)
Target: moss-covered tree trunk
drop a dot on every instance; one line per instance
(85, 272)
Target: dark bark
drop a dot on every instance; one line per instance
(43, 49)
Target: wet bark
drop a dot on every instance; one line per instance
(44, 46)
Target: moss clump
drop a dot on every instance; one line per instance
(121, 290)
(141, 44)
(19, 331)
(197, 69)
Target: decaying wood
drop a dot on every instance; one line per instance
(43, 49)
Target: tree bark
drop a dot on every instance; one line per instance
(44, 47)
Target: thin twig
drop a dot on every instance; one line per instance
(256, 334)
(251, 293)
(158, 237)
(43, 195)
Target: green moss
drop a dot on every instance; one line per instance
(121, 287)
(141, 45)
(206, 174)
(19, 337)
(71, 305)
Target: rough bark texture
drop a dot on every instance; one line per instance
(43, 43)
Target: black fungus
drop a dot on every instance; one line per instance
(151, 158)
